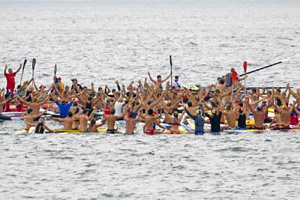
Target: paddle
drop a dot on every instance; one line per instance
(24, 64)
(233, 78)
(33, 66)
(55, 70)
(262, 68)
(171, 64)
(245, 70)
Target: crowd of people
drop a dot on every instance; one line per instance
(154, 103)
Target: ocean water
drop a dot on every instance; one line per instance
(104, 41)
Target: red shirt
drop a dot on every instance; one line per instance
(10, 78)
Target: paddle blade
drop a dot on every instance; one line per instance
(171, 60)
(25, 61)
(55, 70)
(33, 63)
(233, 76)
(245, 66)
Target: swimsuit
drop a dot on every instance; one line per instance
(111, 131)
(174, 132)
(149, 131)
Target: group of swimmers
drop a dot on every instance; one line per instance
(148, 101)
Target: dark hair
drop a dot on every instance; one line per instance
(6, 95)
(29, 111)
(85, 111)
(222, 81)
(150, 112)
(213, 104)
(70, 114)
(75, 104)
(241, 104)
(112, 111)
(158, 76)
(190, 104)
(93, 122)
(76, 110)
(90, 98)
(131, 114)
(176, 76)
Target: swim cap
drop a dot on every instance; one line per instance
(198, 112)
(214, 111)
(284, 106)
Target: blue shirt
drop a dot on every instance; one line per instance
(64, 108)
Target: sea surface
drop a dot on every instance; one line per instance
(104, 41)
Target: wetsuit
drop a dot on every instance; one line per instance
(39, 128)
(88, 106)
(241, 122)
(215, 122)
(199, 122)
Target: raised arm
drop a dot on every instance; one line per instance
(151, 78)
(165, 79)
(19, 68)
(189, 114)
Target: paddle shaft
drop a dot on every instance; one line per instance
(171, 64)
(25, 61)
(261, 68)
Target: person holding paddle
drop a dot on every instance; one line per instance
(10, 79)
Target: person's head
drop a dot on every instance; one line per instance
(159, 77)
(70, 114)
(108, 100)
(31, 88)
(132, 103)
(264, 103)
(176, 78)
(190, 104)
(29, 111)
(42, 87)
(217, 91)
(149, 102)
(90, 98)
(169, 103)
(64, 102)
(198, 112)
(76, 110)
(19, 86)
(129, 87)
(113, 91)
(175, 114)
(131, 114)
(100, 89)
(219, 79)
(284, 107)
(41, 120)
(67, 88)
(224, 78)
(126, 101)
(34, 100)
(222, 82)
(85, 111)
(228, 107)
(241, 104)
(278, 91)
(120, 100)
(214, 111)
(150, 112)
(10, 71)
(258, 108)
(232, 70)
(241, 110)
(269, 93)
(74, 80)
(93, 122)
(84, 88)
(6, 96)
(59, 79)
(117, 94)
(75, 104)
(112, 111)
(213, 104)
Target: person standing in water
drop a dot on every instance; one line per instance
(10, 79)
